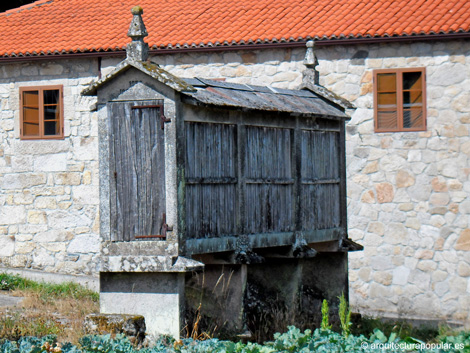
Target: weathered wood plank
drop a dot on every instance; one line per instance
(138, 170)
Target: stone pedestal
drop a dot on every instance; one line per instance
(157, 296)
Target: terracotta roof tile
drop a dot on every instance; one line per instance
(70, 26)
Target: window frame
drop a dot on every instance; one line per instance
(60, 107)
(399, 93)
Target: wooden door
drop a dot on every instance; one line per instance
(137, 169)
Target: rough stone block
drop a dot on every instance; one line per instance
(60, 219)
(51, 162)
(69, 178)
(22, 163)
(22, 181)
(43, 258)
(51, 69)
(463, 269)
(84, 244)
(54, 235)
(385, 192)
(24, 147)
(371, 167)
(7, 246)
(439, 184)
(86, 194)
(426, 265)
(132, 326)
(464, 207)
(24, 247)
(12, 215)
(404, 179)
(36, 217)
(376, 228)
(46, 202)
(396, 233)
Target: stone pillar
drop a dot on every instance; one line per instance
(158, 296)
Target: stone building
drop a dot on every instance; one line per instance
(408, 142)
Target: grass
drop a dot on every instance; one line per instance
(68, 290)
(47, 308)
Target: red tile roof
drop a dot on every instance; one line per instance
(71, 26)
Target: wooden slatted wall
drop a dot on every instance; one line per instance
(211, 178)
(320, 180)
(260, 195)
(269, 180)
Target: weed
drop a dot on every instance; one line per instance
(14, 326)
(325, 316)
(344, 316)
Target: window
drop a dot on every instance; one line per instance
(41, 114)
(400, 100)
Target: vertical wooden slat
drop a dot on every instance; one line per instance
(342, 174)
(297, 173)
(241, 186)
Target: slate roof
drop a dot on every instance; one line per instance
(199, 91)
(262, 98)
(83, 26)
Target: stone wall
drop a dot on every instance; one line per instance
(409, 193)
(49, 188)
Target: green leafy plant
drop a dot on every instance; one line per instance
(325, 316)
(294, 340)
(344, 316)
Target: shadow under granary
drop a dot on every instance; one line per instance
(221, 203)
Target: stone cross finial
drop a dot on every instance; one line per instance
(137, 50)
(310, 75)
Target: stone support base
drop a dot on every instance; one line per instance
(156, 296)
(230, 301)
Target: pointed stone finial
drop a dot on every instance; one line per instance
(310, 75)
(137, 50)
(310, 59)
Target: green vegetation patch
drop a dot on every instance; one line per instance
(293, 341)
(69, 290)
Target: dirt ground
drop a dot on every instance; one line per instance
(25, 313)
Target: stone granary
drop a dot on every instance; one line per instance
(244, 183)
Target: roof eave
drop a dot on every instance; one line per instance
(247, 46)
